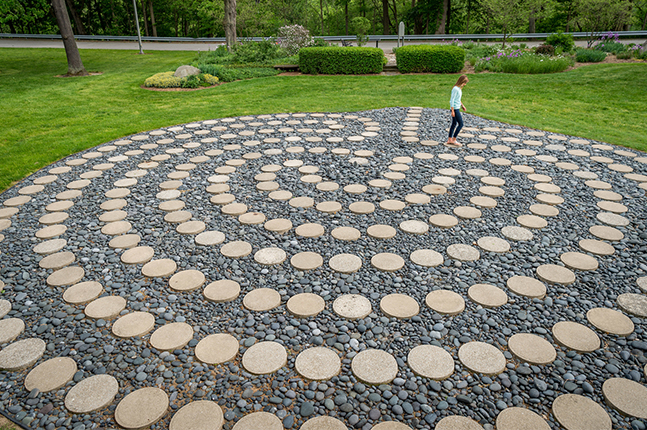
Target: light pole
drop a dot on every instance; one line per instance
(139, 35)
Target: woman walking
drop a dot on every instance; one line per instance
(455, 105)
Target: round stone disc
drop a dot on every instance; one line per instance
(50, 246)
(51, 374)
(555, 274)
(463, 252)
(374, 367)
(606, 233)
(10, 328)
(66, 276)
(217, 348)
(305, 305)
(544, 210)
(576, 336)
(610, 321)
(107, 307)
(387, 262)
(532, 221)
(279, 225)
(532, 348)
(83, 292)
(520, 419)
(259, 420)
(142, 408)
(482, 357)
(627, 396)
(171, 336)
(345, 263)
(262, 299)
(456, 422)
(352, 306)
(318, 364)
(597, 247)
(133, 324)
(443, 221)
(426, 258)
(270, 256)
(493, 244)
(527, 287)
(187, 280)
(137, 255)
(310, 230)
(381, 231)
(399, 306)
(199, 415)
(125, 241)
(264, 358)
(346, 233)
(91, 394)
(236, 249)
(579, 261)
(391, 425)
(5, 305)
(191, 227)
(159, 268)
(445, 302)
(306, 261)
(221, 291)
(632, 303)
(21, 354)
(207, 238)
(431, 361)
(323, 423)
(576, 412)
(487, 295)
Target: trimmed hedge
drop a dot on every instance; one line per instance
(335, 60)
(430, 58)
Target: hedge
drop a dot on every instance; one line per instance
(336, 60)
(430, 58)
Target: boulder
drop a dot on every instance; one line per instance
(184, 71)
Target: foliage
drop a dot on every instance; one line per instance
(520, 62)
(257, 52)
(589, 56)
(293, 37)
(561, 40)
(361, 25)
(596, 16)
(610, 42)
(168, 80)
(510, 15)
(318, 42)
(545, 50)
(430, 58)
(336, 60)
(230, 74)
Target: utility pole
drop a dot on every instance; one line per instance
(139, 34)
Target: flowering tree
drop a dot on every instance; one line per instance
(293, 37)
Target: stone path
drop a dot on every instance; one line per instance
(328, 271)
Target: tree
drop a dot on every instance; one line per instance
(443, 17)
(510, 15)
(74, 63)
(598, 16)
(230, 23)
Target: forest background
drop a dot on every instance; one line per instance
(204, 18)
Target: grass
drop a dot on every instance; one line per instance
(45, 118)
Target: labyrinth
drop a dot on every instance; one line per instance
(324, 271)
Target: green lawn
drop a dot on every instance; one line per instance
(45, 118)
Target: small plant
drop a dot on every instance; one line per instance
(319, 42)
(168, 80)
(256, 52)
(611, 47)
(589, 56)
(561, 40)
(545, 50)
(361, 25)
(522, 63)
(523, 46)
(293, 37)
(231, 73)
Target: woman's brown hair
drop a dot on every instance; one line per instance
(462, 80)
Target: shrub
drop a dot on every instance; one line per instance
(361, 25)
(218, 56)
(523, 63)
(256, 52)
(430, 58)
(561, 40)
(293, 37)
(319, 42)
(168, 80)
(545, 50)
(341, 61)
(610, 46)
(589, 56)
(624, 55)
(230, 74)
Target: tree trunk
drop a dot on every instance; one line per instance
(321, 15)
(12, 28)
(176, 23)
(150, 4)
(230, 23)
(644, 22)
(346, 14)
(568, 20)
(74, 63)
(144, 17)
(487, 26)
(385, 17)
(395, 17)
(80, 28)
(442, 18)
(531, 23)
(469, 10)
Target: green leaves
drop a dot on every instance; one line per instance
(430, 58)
(340, 61)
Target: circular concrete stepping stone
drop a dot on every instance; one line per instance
(48, 219)
(576, 336)
(579, 261)
(607, 195)
(390, 425)
(57, 261)
(611, 207)
(112, 216)
(520, 419)
(280, 195)
(8, 212)
(116, 228)
(434, 189)
(417, 199)
(491, 191)
(236, 249)
(21, 354)
(532, 348)
(175, 205)
(51, 231)
(142, 408)
(374, 366)
(575, 412)
(177, 217)
(381, 231)
(346, 233)
(305, 305)
(17, 201)
(399, 306)
(345, 263)
(635, 304)
(642, 284)
(208, 238)
(66, 276)
(493, 244)
(323, 423)
(134, 324)
(107, 307)
(199, 415)
(352, 306)
(83, 292)
(550, 199)
(596, 247)
(426, 258)
(5, 305)
(138, 255)
(55, 207)
(610, 321)
(223, 290)
(431, 361)
(532, 221)
(484, 202)
(445, 302)
(318, 364)
(10, 328)
(302, 202)
(259, 420)
(50, 246)
(361, 208)
(262, 299)
(555, 274)
(387, 262)
(517, 233)
(310, 230)
(487, 295)
(234, 209)
(264, 358)
(252, 218)
(527, 287)
(456, 422)
(463, 252)
(221, 199)
(278, 225)
(612, 219)
(482, 357)
(191, 227)
(270, 256)
(217, 348)
(51, 374)
(414, 227)
(91, 394)
(171, 336)
(606, 233)
(306, 261)
(392, 205)
(627, 396)
(329, 207)
(159, 268)
(466, 212)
